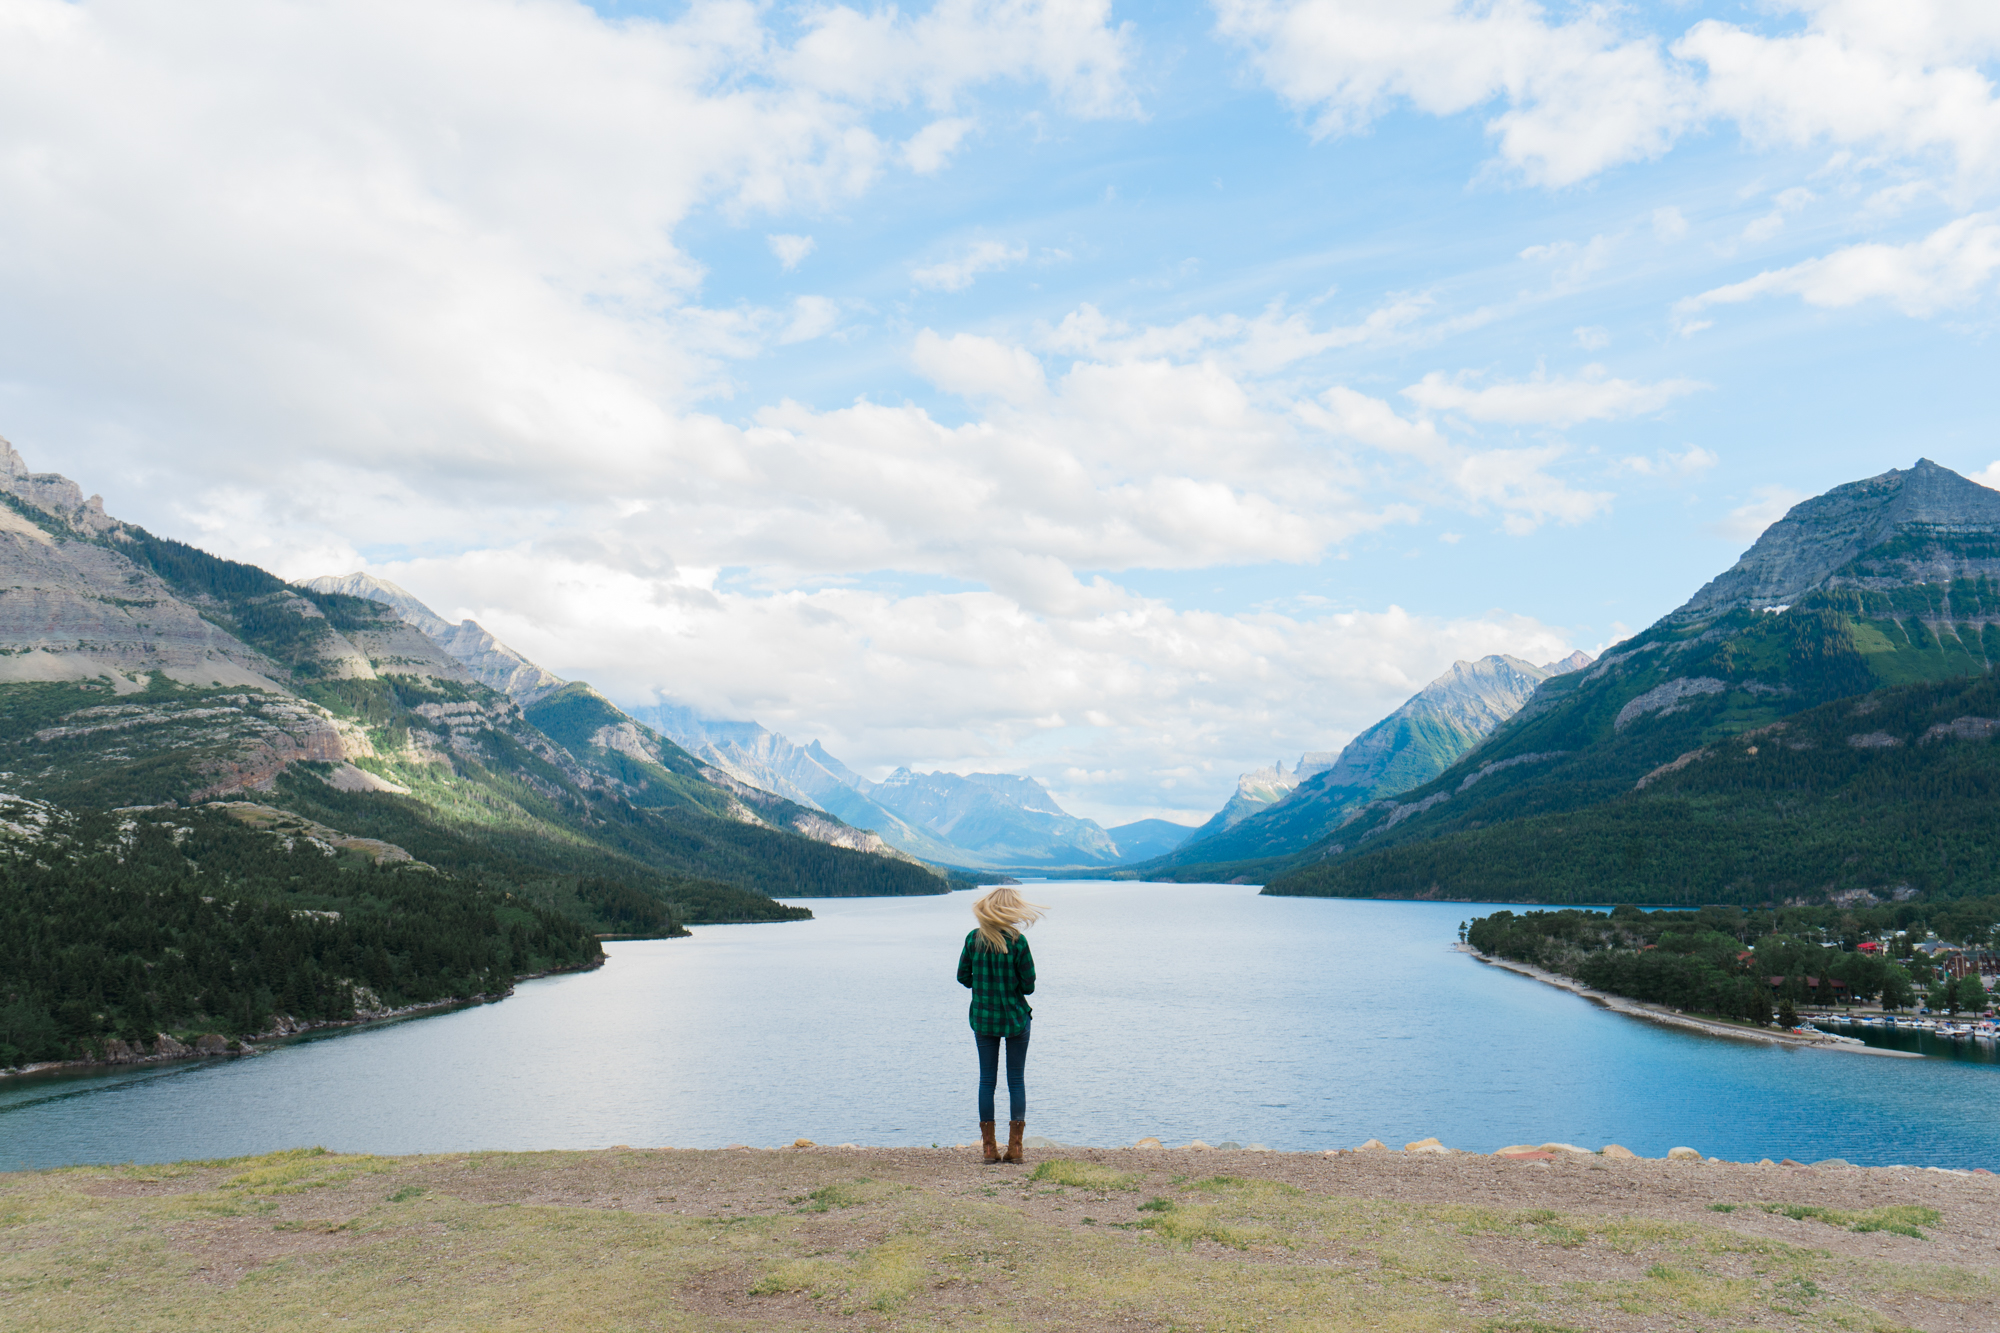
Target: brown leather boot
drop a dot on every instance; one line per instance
(986, 1141)
(1015, 1129)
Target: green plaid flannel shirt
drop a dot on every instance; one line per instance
(998, 981)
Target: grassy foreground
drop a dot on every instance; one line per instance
(907, 1239)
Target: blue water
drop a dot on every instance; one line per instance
(1178, 1011)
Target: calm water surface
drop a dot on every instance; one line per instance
(1180, 1011)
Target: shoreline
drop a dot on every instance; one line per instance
(1661, 1014)
(287, 1029)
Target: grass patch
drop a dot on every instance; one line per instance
(1084, 1176)
(843, 1194)
(297, 1169)
(1903, 1220)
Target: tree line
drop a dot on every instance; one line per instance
(185, 922)
(1751, 965)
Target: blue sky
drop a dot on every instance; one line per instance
(1125, 395)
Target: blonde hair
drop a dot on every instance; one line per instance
(1001, 914)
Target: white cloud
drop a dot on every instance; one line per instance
(1593, 337)
(980, 368)
(1770, 224)
(955, 275)
(812, 317)
(1990, 477)
(1668, 225)
(1572, 263)
(440, 239)
(1269, 341)
(1951, 267)
(1569, 97)
(1690, 462)
(1747, 522)
(930, 148)
(1903, 77)
(1580, 96)
(790, 250)
(1514, 481)
(1547, 400)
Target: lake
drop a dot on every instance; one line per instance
(1171, 1010)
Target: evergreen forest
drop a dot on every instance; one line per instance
(1750, 966)
(185, 922)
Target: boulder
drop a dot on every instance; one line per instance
(169, 1046)
(1515, 1149)
(1683, 1155)
(1149, 1143)
(117, 1052)
(1374, 1145)
(211, 1043)
(1199, 1146)
(1567, 1147)
(1425, 1145)
(1615, 1150)
(802, 1143)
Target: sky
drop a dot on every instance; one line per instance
(1124, 395)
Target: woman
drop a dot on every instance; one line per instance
(996, 964)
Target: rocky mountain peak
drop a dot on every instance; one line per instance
(1562, 666)
(484, 657)
(1923, 524)
(51, 492)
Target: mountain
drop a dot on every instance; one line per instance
(1406, 749)
(1719, 754)
(484, 657)
(1144, 839)
(979, 821)
(137, 670)
(998, 819)
(806, 774)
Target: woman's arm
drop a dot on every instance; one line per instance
(965, 964)
(1024, 966)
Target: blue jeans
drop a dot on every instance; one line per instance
(989, 1072)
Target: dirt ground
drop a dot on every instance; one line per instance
(1127, 1239)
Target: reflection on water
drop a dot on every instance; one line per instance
(1909, 1037)
(1181, 1011)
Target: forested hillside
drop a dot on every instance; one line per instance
(1896, 791)
(184, 922)
(1723, 961)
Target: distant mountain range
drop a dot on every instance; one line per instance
(976, 821)
(1275, 814)
(1820, 721)
(137, 670)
